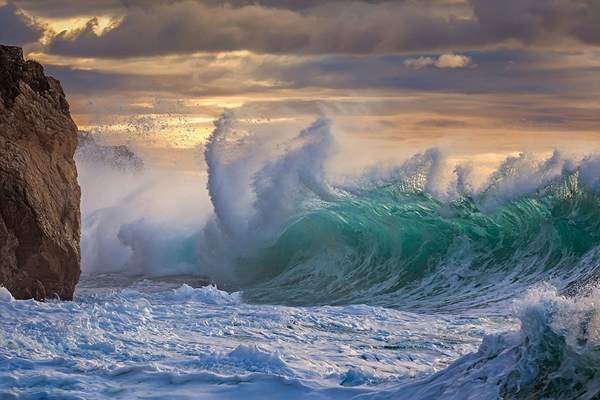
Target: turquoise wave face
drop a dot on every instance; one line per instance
(394, 245)
(421, 238)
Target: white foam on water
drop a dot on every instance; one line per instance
(189, 343)
(554, 355)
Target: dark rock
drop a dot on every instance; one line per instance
(40, 221)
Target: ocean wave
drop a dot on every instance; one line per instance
(430, 234)
(416, 238)
(554, 355)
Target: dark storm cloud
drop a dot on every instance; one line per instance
(496, 73)
(72, 8)
(200, 83)
(506, 72)
(354, 27)
(69, 8)
(87, 82)
(530, 20)
(351, 27)
(503, 55)
(15, 28)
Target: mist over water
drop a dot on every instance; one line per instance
(309, 200)
(265, 213)
(492, 276)
(141, 222)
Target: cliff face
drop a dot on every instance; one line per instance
(40, 220)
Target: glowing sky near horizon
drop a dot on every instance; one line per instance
(482, 76)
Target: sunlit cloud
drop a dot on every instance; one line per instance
(449, 60)
(416, 73)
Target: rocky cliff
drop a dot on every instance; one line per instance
(40, 221)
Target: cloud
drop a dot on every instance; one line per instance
(69, 8)
(453, 61)
(338, 27)
(73, 8)
(15, 28)
(187, 28)
(243, 76)
(449, 60)
(531, 21)
(444, 123)
(418, 63)
(309, 27)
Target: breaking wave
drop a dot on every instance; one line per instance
(418, 238)
(554, 355)
(276, 224)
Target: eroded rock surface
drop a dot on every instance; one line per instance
(40, 221)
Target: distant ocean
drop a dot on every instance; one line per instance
(398, 285)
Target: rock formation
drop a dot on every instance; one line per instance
(40, 221)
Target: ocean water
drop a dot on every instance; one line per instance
(407, 282)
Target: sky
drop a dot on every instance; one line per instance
(479, 77)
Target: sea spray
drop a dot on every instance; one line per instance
(273, 222)
(256, 196)
(402, 274)
(555, 354)
(140, 221)
(420, 238)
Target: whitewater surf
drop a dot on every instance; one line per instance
(408, 282)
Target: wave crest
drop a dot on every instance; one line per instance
(423, 237)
